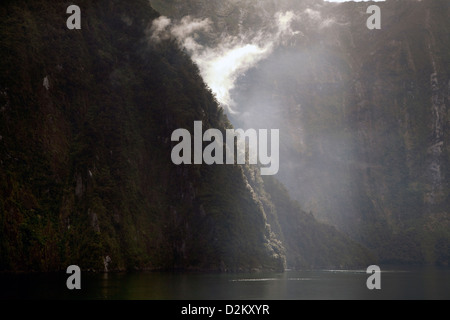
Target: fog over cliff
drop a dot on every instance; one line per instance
(363, 114)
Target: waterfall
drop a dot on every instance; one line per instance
(434, 169)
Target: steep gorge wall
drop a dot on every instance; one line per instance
(86, 178)
(364, 113)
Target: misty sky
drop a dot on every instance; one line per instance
(222, 64)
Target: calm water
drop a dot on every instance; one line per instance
(411, 283)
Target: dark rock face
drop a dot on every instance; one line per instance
(86, 178)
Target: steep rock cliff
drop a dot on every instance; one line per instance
(86, 176)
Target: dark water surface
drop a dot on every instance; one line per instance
(396, 283)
